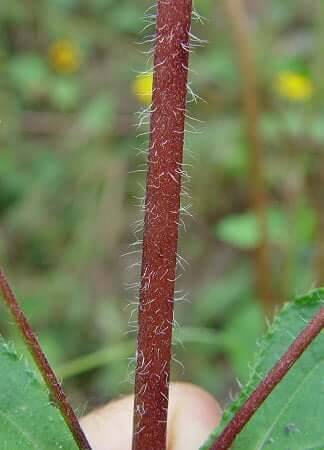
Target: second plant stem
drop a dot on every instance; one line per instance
(264, 389)
(238, 19)
(52, 382)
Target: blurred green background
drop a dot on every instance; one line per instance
(68, 184)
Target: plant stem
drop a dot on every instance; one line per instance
(160, 239)
(312, 329)
(316, 170)
(239, 23)
(43, 365)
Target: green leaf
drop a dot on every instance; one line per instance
(241, 332)
(292, 416)
(232, 157)
(218, 65)
(66, 4)
(125, 19)
(98, 115)
(65, 93)
(241, 230)
(28, 420)
(304, 222)
(218, 298)
(28, 73)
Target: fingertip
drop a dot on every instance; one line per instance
(194, 414)
(110, 427)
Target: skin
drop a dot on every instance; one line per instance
(193, 415)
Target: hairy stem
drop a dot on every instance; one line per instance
(43, 365)
(160, 239)
(239, 23)
(227, 437)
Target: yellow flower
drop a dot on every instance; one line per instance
(294, 86)
(64, 56)
(143, 87)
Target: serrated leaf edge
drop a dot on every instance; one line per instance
(310, 298)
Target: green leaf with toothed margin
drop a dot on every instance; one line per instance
(292, 416)
(28, 420)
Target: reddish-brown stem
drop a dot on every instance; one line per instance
(227, 437)
(239, 24)
(316, 190)
(160, 240)
(43, 365)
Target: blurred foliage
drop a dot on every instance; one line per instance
(70, 84)
(242, 230)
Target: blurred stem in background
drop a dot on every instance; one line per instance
(238, 20)
(316, 175)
